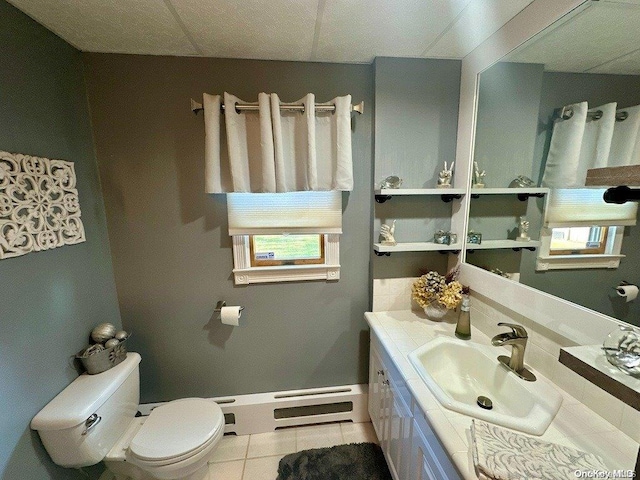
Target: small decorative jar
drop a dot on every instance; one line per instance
(474, 237)
(453, 238)
(442, 238)
(435, 311)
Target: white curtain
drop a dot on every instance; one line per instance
(579, 144)
(276, 150)
(624, 147)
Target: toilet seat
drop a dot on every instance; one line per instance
(177, 431)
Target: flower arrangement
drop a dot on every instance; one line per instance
(438, 290)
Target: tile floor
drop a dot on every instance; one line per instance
(256, 457)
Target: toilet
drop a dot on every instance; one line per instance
(94, 419)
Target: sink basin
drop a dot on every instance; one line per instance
(457, 372)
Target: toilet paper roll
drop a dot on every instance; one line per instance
(629, 292)
(230, 315)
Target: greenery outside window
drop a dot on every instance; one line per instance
(296, 249)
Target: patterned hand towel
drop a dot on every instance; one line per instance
(502, 454)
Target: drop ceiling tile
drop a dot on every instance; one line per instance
(626, 65)
(263, 29)
(587, 41)
(358, 31)
(478, 22)
(114, 26)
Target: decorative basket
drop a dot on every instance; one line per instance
(104, 360)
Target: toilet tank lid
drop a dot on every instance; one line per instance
(83, 396)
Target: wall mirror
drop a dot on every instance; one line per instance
(589, 59)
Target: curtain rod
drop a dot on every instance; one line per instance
(197, 107)
(565, 113)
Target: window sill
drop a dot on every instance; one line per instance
(285, 273)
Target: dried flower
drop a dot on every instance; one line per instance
(433, 287)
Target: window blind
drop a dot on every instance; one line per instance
(280, 213)
(582, 207)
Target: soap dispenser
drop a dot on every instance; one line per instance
(463, 327)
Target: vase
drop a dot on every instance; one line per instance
(435, 311)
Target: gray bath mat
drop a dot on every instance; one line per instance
(356, 461)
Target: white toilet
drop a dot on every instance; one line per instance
(93, 419)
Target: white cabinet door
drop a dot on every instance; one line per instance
(400, 436)
(377, 391)
(422, 465)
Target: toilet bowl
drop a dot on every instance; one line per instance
(175, 442)
(94, 419)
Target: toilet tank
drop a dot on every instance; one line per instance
(113, 396)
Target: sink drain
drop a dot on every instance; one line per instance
(484, 402)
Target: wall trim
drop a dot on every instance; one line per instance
(256, 412)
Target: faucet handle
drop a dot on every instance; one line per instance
(518, 330)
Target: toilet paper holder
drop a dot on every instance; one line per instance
(220, 304)
(623, 283)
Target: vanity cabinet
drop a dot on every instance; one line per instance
(411, 448)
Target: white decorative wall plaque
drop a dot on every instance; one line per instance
(39, 207)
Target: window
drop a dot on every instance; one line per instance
(582, 231)
(297, 249)
(579, 240)
(285, 236)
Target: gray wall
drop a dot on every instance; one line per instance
(52, 299)
(416, 121)
(509, 97)
(171, 251)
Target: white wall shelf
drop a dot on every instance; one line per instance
(503, 244)
(415, 247)
(522, 193)
(446, 194)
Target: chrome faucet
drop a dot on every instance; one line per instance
(517, 338)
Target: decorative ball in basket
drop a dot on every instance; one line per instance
(107, 351)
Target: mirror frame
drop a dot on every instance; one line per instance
(577, 324)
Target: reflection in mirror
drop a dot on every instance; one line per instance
(565, 102)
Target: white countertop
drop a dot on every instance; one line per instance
(575, 425)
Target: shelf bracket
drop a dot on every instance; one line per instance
(523, 197)
(382, 254)
(475, 195)
(382, 198)
(447, 197)
(517, 249)
(444, 252)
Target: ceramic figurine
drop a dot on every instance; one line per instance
(386, 234)
(391, 182)
(523, 230)
(445, 176)
(522, 182)
(478, 176)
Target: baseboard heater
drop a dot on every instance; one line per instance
(266, 412)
